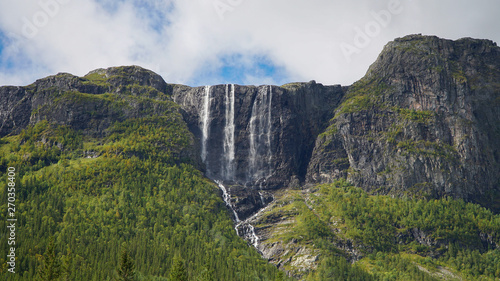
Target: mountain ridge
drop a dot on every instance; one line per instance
(423, 123)
(418, 84)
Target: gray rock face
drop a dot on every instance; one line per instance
(66, 99)
(257, 138)
(15, 106)
(425, 121)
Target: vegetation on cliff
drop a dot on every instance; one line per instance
(390, 238)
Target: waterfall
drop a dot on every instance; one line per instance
(262, 197)
(260, 130)
(228, 163)
(254, 239)
(227, 199)
(269, 132)
(253, 148)
(205, 123)
(246, 230)
(260, 156)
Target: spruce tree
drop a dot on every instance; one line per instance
(50, 269)
(178, 270)
(126, 271)
(67, 263)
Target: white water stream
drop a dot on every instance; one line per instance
(228, 168)
(205, 123)
(227, 199)
(260, 130)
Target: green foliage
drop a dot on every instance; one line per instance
(98, 78)
(388, 225)
(160, 138)
(126, 271)
(389, 231)
(178, 271)
(428, 148)
(280, 277)
(337, 268)
(292, 86)
(417, 116)
(473, 263)
(50, 267)
(357, 103)
(364, 95)
(396, 267)
(139, 190)
(376, 220)
(207, 273)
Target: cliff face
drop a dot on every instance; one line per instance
(425, 121)
(86, 103)
(90, 104)
(256, 139)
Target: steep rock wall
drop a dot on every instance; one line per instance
(258, 138)
(424, 121)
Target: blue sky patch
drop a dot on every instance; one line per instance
(242, 70)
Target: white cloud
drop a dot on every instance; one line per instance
(184, 41)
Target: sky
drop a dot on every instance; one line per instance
(208, 42)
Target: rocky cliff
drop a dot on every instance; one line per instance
(90, 104)
(424, 121)
(257, 139)
(85, 103)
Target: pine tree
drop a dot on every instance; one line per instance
(178, 271)
(50, 268)
(126, 271)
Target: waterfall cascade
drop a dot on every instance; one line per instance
(228, 168)
(227, 199)
(260, 130)
(259, 160)
(205, 123)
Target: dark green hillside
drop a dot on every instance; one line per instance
(128, 196)
(96, 191)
